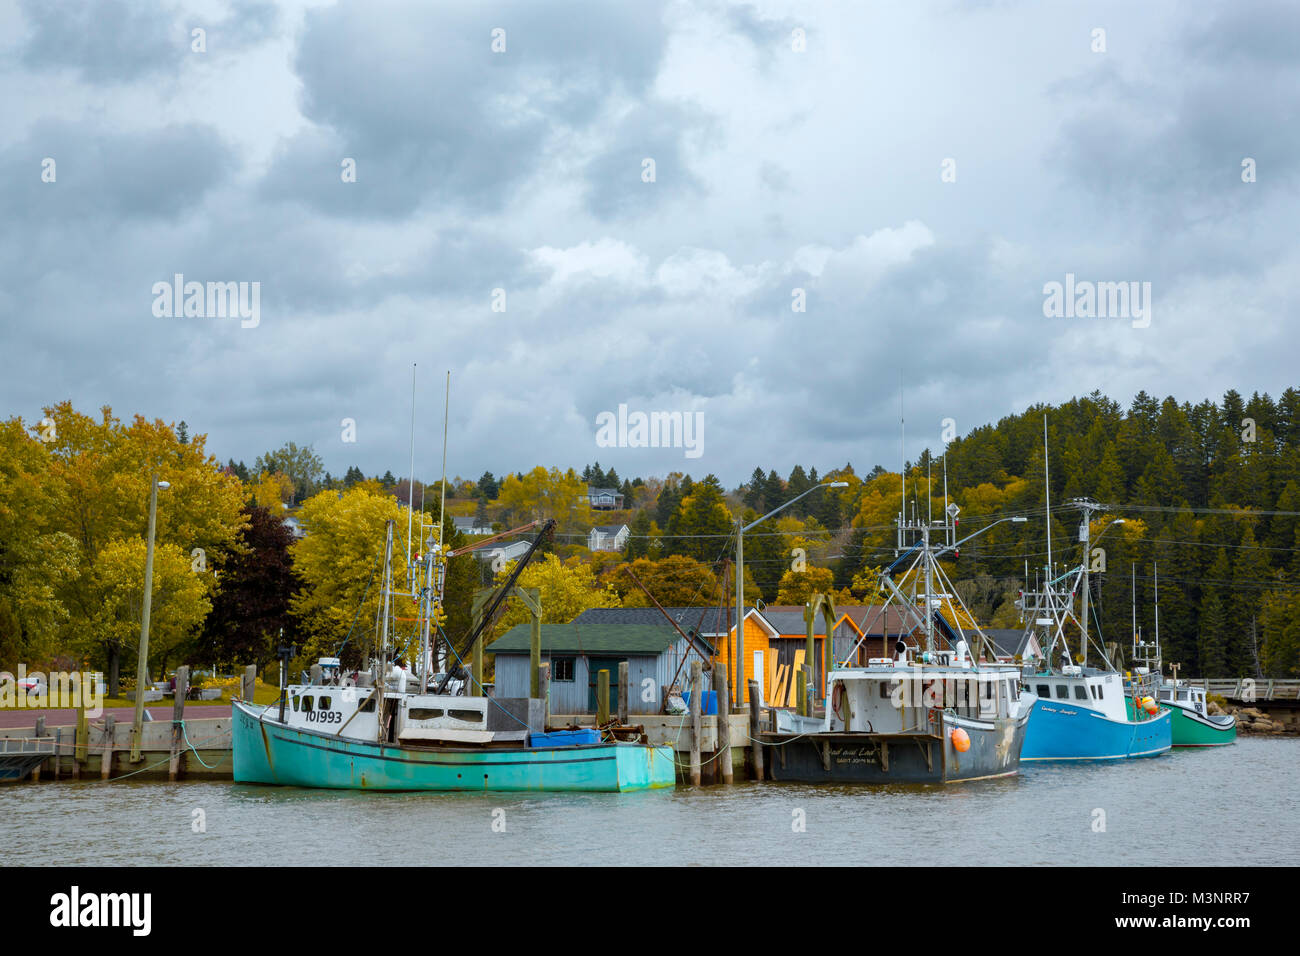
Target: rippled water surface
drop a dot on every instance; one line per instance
(1228, 805)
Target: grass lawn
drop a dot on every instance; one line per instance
(262, 694)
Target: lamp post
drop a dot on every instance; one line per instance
(137, 726)
(740, 582)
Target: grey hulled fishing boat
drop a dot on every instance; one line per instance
(933, 712)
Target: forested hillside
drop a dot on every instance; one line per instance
(1208, 492)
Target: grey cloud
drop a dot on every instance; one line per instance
(432, 115)
(99, 172)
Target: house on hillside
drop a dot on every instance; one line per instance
(505, 550)
(471, 525)
(1008, 644)
(607, 537)
(604, 499)
(656, 655)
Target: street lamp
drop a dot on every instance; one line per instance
(740, 582)
(1018, 519)
(137, 726)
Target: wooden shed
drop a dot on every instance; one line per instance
(577, 652)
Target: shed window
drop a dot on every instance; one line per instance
(562, 669)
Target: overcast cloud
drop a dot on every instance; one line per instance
(774, 170)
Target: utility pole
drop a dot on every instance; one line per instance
(142, 662)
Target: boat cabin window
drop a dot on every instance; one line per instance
(294, 699)
(425, 713)
(324, 703)
(1101, 692)
(1044, 691)
(306, 704)
(1096, 696)
(884, 690)
(562, 668)
(473, 716)
(1062, 692)
(368, 707)
(1080, 692)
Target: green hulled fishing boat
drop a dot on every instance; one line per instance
(1193, 725)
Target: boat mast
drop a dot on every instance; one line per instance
(1133, 587)
(1156, 567)
(381, 677)
(410, 492)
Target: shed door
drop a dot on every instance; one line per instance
(596, 665)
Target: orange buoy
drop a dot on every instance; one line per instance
(1150, 706)
(960, 740)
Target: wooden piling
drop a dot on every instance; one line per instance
(38, 732)
(178, 718)
(755, 748)
(82, 740)
(602, 697)
(724, 723)
(58, 750)
(106, 759)
(544, 689)
(624, 691)
(697, 685)
(249, 683)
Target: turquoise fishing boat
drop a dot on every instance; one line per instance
(267, 751)
(368, 731)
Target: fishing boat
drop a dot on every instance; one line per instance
(933, 714)
(431, 728)
(1080, 712)
(371, 732)
(1192, 723)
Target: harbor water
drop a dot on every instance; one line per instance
(1223, 806)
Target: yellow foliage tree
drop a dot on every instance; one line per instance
(567, 588)
(340, 564)
(179, 605)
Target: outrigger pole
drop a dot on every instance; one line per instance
(502, 592)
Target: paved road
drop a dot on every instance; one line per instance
(54, 717)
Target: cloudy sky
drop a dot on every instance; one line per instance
(919, 170)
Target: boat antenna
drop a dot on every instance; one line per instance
(442, 485)
(1156, 567)
(1132, 570)
(1047, 497)
(902, 460)
(410, 488)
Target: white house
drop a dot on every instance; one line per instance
(506, 551)
(471, 525)
(608, 537)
